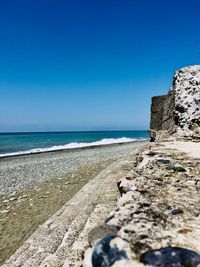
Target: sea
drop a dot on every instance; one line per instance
(13, 144)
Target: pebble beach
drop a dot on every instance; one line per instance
(34, 187)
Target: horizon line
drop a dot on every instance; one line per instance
(80, 131)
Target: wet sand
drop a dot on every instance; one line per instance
(34, 187)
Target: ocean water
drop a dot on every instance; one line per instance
(27, 143)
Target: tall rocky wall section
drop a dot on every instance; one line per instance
(162, 112)
(177, 114)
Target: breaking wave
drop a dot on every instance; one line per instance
(105, 141)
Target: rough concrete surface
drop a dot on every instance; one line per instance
(158, 213)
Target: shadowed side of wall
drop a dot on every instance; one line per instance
(162, 114)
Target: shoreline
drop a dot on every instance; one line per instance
(18, 173)
(23, 211)
(27, 153)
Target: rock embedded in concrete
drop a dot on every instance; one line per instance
(106, 251)
(171, 257)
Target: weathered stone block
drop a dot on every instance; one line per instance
(178, 112)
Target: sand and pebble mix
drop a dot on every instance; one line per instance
(33, 187)
(18, 173)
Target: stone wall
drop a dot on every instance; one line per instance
(162, 108)
(177, 114)
(156, 221)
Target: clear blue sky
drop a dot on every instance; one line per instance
(91, 64)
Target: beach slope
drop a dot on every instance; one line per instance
(64, 235)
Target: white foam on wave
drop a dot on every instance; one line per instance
(105, 141)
